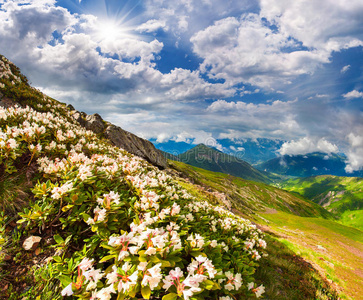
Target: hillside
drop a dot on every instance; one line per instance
(249, 197)
(312, 164)
(211, 159)
(84, 219)
(343, 196)
(303, 236)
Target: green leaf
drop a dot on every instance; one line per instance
(146, 292)
(120, 296)
(58, 239)
(154, 259)
(171, 296)
(65, 280)
(209, 284)
(166, 264)
(57, 259)
(106, 258)
(68, 207)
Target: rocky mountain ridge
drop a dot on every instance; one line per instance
(115, 134)
(121, 138)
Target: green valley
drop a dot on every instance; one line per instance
(308, 239)
(342, 196)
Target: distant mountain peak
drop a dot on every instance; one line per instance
(209, 158)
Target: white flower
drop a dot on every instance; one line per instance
(85, 264)
(259, 291)
(152, 276)
(67, 291)
(214, 244)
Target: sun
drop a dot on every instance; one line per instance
(111, 30)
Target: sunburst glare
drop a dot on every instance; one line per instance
(109, 30)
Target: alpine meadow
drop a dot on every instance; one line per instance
(181, 150)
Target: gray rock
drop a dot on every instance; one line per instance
(135, 145)
(95, 123)
(121, 138)
(31, 242)
(80, 117)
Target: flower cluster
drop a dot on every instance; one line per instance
(146, 236)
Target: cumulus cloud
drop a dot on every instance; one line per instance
(355, 153)
(185, 17)
(91, 55)
(281, 42)
(353, 94)
(322, 25)
(248, 50)
(307, 145)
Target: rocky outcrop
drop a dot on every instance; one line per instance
(121, 138)
(135, 145)
(95, 123)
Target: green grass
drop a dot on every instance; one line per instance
(332, 248)
(352, 218)
(288, 276)
(340, 195)
(249, 196)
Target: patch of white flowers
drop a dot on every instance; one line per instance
(147, 256)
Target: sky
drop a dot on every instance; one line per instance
(197, 71)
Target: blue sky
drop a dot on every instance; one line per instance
(196, 71)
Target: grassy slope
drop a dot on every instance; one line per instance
(63, 225)
(333, 249)
(343, 196)
(248, 196)
(296, 268)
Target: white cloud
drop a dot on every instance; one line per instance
(188, 85)
(297, 38)
(353, 94)
(248, 50)
(236, 120)
(185, 17)
(307, 145)
(355, 153)
(77, 61)
(345, 69)
(328, 25)
(152, 26)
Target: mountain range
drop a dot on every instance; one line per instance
(250, 150)
(311, 164)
